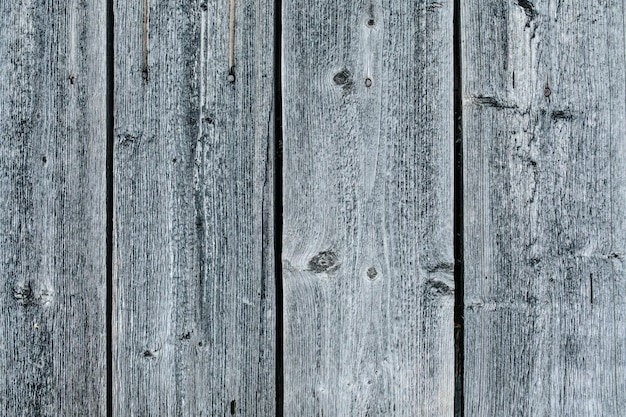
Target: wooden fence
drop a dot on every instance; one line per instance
(329, 208)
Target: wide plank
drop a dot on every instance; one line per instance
(53, 142)
(194, 295)
(367, 190)
(545, 207)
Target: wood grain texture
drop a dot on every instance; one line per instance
(545, 208)
(194, 316)
(52, 208)
(367, 240)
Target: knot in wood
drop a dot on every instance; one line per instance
(27, 294)
(372, 273)
(326, 261)
(342, 77)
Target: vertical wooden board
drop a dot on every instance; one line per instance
(545, 208)
(194, 315)
(367, 241)
(53, 208)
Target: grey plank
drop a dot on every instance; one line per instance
(194, 317)
(545, 208)
(367, 239)
(53, 208)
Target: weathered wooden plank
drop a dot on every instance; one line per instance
(368, 247)
(194, 319)
(545, 208)
(53, 208)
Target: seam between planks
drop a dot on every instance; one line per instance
(278, 205)
(458, 214)
(110, 103)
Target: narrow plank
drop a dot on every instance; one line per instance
(53, 208)
(367, 241)
(194, 317)
(545, 208)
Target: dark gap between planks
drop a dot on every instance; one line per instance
(110, 103)
(458, 213)
(278, 205)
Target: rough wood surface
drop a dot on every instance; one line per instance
(545, 208)
(368, 259)
(194, 316)
(52, 208)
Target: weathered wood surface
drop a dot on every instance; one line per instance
(194, 316)
(367, 239)
(545, 208)
(53, 208)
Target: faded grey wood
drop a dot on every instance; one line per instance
(367, 240)
(53, 208)
(545, 208)
(194, 316)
